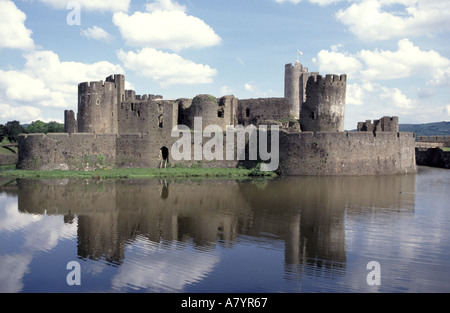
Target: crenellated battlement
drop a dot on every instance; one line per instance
(95, 86)
(148, 97)
(329, 79)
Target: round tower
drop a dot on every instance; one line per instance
(294, 86)
(324, 108)
(213, 111)
(97, 107)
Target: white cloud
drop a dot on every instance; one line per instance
(249, 87)
(92, 5)
(166, 26)
(354, 95)
(165, 5)
(13, 32)
(394, 96)
(97, 33)
(405, 62)
(408, 60)
(24, 114)
(372, 20)
(337, 62)
(166, 68)
(46, 81)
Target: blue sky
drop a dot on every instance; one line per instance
(396, 53)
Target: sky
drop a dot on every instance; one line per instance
(396, 54)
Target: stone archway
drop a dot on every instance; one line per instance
(164, 157)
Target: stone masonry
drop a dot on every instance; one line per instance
(115, 127)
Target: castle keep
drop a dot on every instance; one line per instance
(115, 127)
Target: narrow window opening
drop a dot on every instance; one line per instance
(247, 112)
(312, 116)
(160, 121)
(220, 113)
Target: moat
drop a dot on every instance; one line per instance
(283, 234)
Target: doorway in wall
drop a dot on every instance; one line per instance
(164, 156)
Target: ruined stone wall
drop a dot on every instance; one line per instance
(70, 123)
(435, 139)
(263, 110)
(62, 151)
(347, 153)
(324, 108)
(213, 111)
(384, 124)
(142, 150)
(8, 159)
(307, 153)
(133, 117)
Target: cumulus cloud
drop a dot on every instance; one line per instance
(165, 25)
(395, 97)
(354, 95)
(405, 62)
(13, 32)
(97, 33)
(92, 5)
(166, 68)
(372, 20)
(373, 65)
(337, 62)
(46, 81)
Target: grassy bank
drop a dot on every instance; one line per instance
(137, 173)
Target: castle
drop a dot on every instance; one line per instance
(115, 127)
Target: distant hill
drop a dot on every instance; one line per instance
(427, 129)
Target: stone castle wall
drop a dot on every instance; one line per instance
(263, 110)
(346, 153)
(78, 151)
(384, 124)
(306, 153)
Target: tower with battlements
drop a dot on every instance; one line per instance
(98, 105)
(324, 108)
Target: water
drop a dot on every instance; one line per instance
(290, 234)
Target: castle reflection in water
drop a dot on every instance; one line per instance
(305, 214)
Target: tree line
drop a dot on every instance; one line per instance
(13, 129)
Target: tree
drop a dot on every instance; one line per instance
(2, 132)
(55, 127)
(13, 130)
(37, 127)
(41, 127)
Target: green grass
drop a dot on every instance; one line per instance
(137, 173)
(445, 148)
(4, 150)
